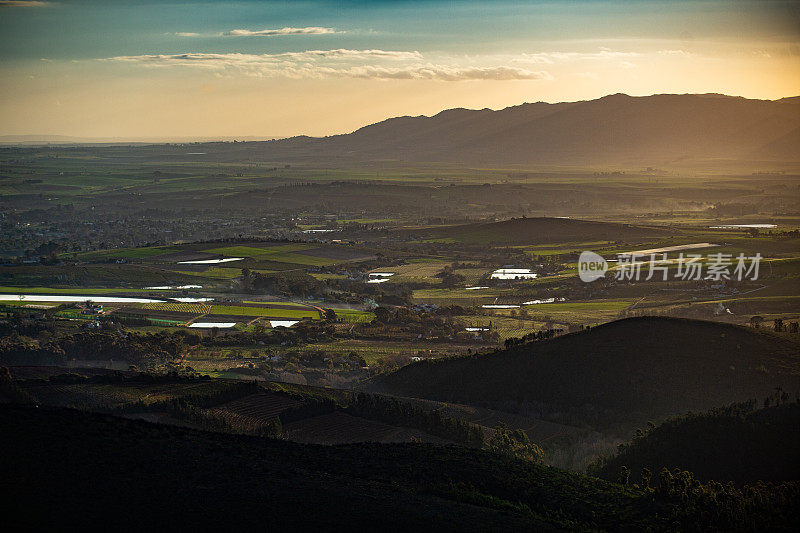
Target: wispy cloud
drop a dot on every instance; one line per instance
(550, 58)
(24, 3)
(198, 59)
(317, 64)
(233, 59)
(439, 72)
(675, 53)
(310, 30)
(277, 32)
(343, 53)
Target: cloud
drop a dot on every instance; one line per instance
(198, 59)
(675, 53)
(440, 72)
(24, 3)
(343, 53)
(550, 58)
(311, 30)
(238, 59)
(316, 64)
(187, 34)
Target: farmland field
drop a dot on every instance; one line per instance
(274, 312)
(456, 296)
(56, 290)
(253, 412)
(416, 271)
(278, 254)
(214, 272)
(192, 308)
(354, 316)
(375, 350)
(125, 253)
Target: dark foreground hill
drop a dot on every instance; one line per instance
(737, 443)
(650, 130)
(70, 470)
(625, 372)
(538, 230)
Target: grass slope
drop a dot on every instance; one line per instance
(628, 371)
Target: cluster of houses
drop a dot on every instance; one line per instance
(91, 308)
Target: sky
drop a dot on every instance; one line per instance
(172, 69)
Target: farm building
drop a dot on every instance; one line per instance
(513, 273)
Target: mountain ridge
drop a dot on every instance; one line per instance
(617, 128)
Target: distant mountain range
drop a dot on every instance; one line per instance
(616, 129)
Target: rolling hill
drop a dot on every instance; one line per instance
(620, 374)
(651, 130)
(539, 230)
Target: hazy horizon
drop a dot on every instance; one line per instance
(54, 138)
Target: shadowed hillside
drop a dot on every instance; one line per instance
(656, 129)
(543, 230)
(625, 372)
(737, 443)
(74, 470)
(71, 470)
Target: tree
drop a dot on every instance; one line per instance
(515, 443)
(624, 475)
(383, 315)
(450, 280)
(646, 477)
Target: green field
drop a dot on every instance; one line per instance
(279, 254)
(215, 272)
(323, 276)
(235, 310)
(354, 316)
(124, 253)
(374, 351)
(456, 296)
(50, 290)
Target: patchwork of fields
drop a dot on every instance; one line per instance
(244, 313)
(198, 260)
